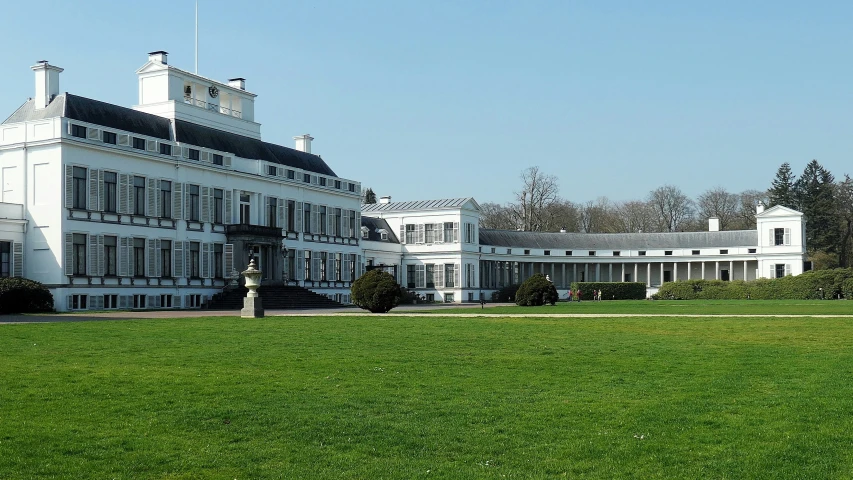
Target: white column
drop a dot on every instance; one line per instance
(674, 271)
(649, 274)
(574, 272)
(731, 270)
(703, 270)
(745, 276)
(597, 272)
(552, 272)
(636, 272)
(622, 278)
(661, 273)
(717, 270)
(609, 272)
(586, 272)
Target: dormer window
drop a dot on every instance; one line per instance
(383, 234)
(364, 232)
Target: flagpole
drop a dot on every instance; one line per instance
(196, 37)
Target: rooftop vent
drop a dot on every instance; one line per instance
(385, 199)
(158, 57)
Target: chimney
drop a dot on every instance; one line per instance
(714, 224)
(303, 143)
(158, 57)
(759, 208)
(237, 83)
(385, 199)
(47, 83)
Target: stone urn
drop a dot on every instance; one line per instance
(252, 305)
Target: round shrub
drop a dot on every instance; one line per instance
(536, 290)
(19, 295)
(376, 291)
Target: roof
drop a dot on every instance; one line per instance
(247, 147)
(618, 241)
(374, 224)
(95, 112)
(419, 205)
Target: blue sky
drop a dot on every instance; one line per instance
(435, 99)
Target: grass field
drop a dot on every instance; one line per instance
(403, 397)
(677, 307)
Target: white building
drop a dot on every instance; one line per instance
(442, 254)
(160, 205)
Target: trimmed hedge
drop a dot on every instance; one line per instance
(611, 290)
(20, 295)
(376, 291)
(834, 284)
(536, 290)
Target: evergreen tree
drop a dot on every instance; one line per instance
(815, 195)
(782, 189)
(369, 196)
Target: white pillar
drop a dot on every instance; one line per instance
(574, 272)
(717, 270)
(622, 278)
(609, 272)
(597, 272)
(688, 270)
(585, 272)
(636, 272)
(745, 276)
(649, 274)
(661, 273)
(731, 270)
(703, 270)
(674, 271)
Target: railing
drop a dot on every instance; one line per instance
(213, 107)
(256, 230)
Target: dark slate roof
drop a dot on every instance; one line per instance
(417, 205)
(618, 241)
(374, 224)
(247, 147)
(98, 113)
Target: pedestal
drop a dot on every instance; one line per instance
(252, 308)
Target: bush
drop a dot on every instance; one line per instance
(814, 285)
(536, 290)
(611, 290)
(505, 294)
(19, 295)
(376, 291)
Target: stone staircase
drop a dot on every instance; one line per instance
(274, 297)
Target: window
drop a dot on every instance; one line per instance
(139, 195)
(78, 253)
(508, 251)
(245, 208)
(165, 149)
(667, 252)
(5, 259)
(271, 170)
(724, 252)
(751, 250)
(110, 189)
(410, 276)
(193, 155)
(383, 234)
(272, 212)
(217, 205)
(78, 131)
(449, 280)
(568, 253)
(110, 255)
(449, 298)
(352, 227)
(139, 301)
(779, 270)
(217, 261)
(79, 302)
(195, 258)
(165, 199)
(430, 233)
(324, 257)
(194, 300)
(641, 253)
(322, 219)
(165, 301)
(695, 252)
(616, 253)
(110, 137)
(469, 233)
(138, 257)
(781, 236)
(79, 188)
(291, 175)
(306, 177)
(334, 216)
(165, 258)
(110, 302)
(306, 217)
(338, 184)
(217, 159)
(430, 297)
(450, 232)
(364, 233)
(308, 275)
(291, 215)
(351, 187)
(592, 253)
(194, 203)
(338, 265)
(322, 181)
(139, 143)
(527, 252)
(430, 275)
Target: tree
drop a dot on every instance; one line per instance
(560, 215)
(815, 195)
(747, 202)
(717, 202)
(496, 216)
(672, 208)
(538, 192)
(536, 290)
(376, 291)
(597, 216)
(369, 196)
(635, 216)
(844, 206)
(782, 188)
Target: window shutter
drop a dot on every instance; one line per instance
(300, 265)
(315, 218)
(131, 198)
(101, 257)
(772, 236)
(186, 151)
(187, 203)
(456, 232)
(158, 259)
(456, 275)
(228, 259)
(205, 204)
(345, 223)
(178, 258)
(17, 259)
(787, 269)
(438, 270)
(357, 220)
(131, 265)
(205, 260)
(93, 133)
(229, 198)
(772, 271)
(102, 198)
(69, 254)
(96, 302)
(123, 267)
(315, 267)
(187, 302)
(69, 186)
(403, 234)
(358, 270)
(178, 200)
(176, 301)
(330, 220)
(123, 301)
(227, 162)
(282, 212)
(176, 151)
(151, 145)
(152, 258)
(330, 266)
(69, 302)
(94, 194)
(123, 194)
(205, 157)
(153, 195)
(421, 233)
(345, 275)
(297, 224)
(92, 251)
(787, 239)
(123, 140)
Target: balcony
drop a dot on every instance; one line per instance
(253, 230)
(213, 107)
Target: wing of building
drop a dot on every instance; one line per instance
(160, 205)
(442, 254)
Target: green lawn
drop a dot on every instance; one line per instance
(403, 397)
(675, 307)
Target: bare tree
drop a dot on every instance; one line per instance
(717, 202)
(597, 216)
(747, 201)
(538, 192)
(496, 216)
(561, 214)
(635, 216)
(672, 207)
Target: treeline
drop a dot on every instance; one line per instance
(827, 205)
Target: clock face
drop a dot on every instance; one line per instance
(213, 91)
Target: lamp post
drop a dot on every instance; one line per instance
(284, 263)
(252, 305)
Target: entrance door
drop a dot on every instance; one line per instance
(627, 277)
(724, 275)
(667, 276)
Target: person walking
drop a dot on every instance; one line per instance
(579, 295)
(569, 295)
